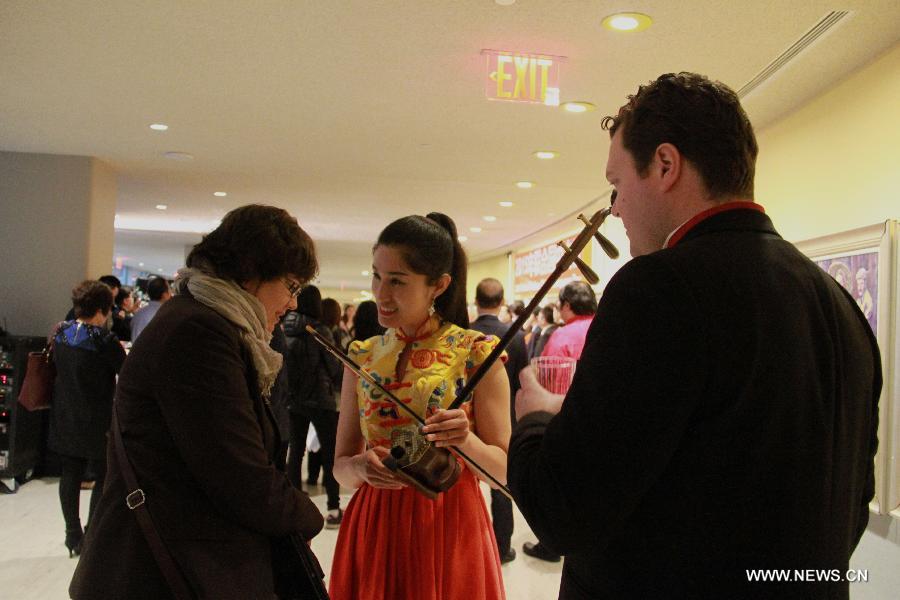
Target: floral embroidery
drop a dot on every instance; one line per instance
(439, 365)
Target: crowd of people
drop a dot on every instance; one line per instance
(722, 416)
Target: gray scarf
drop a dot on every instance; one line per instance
(241, 308)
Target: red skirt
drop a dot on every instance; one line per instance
(398, 545)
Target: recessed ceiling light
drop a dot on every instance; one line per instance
(525, 185)
(158, 126)
(182, 156)
(475, 229)
(463, 238)
(627, 22)
(489, 218)
(546, 154)
(140, 264)
(365, 273)
(220, 194)
(505, 2)
(160, 270)
(578, 107)
(505, 204)
(161, 207)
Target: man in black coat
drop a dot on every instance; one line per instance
(723, 415)
(488, 299)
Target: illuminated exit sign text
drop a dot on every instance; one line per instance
(521, 77)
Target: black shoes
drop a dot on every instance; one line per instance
(508, 557)
(73, 541)
(333, 519)
(540, 551)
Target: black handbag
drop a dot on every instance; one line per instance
(297, 573)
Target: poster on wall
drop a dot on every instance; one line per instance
(533, 267)
(866, 262)
(858, 274)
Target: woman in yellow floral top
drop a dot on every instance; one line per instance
(395, 542)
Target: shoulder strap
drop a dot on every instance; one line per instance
(136, 502)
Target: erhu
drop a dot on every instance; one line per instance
(431, 469)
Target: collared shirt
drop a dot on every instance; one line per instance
(680, 231)
(568, 340)
(142, 317)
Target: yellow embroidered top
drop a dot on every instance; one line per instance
(438, 366)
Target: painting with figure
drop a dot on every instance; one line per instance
(858, 274)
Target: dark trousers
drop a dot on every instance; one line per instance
(73, 469)
(502, 517)
(325, 422)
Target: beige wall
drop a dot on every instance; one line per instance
(496, 267)
(101, 220)
(833, 165)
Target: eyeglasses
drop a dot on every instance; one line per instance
(293, 287)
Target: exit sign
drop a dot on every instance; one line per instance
(522, 77)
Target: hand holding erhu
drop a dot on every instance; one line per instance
(428, 468)
(570, 256)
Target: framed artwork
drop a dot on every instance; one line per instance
(866, 262)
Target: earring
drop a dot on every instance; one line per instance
(431, 308)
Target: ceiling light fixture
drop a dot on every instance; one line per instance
(525, 185)
(628, 21)
(140, 264)
(179, 156)
(475, 229)
(158, 126)
(161, 207)
(365, 273)
(578, 107)
(546, 154)
(220, 194)
(463, 238)
(505, 204)
(489, 218)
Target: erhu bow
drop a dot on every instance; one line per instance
(569, 256)
(417, 461)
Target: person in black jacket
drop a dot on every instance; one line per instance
(313, 377)
(489, 298)
(192, 409)
(723, 415)
(87, 357)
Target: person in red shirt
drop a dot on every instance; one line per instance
(577, 305)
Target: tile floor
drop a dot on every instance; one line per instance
(34, 563)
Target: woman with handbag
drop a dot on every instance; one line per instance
(193, 432)
(396, 542)
(87, 357)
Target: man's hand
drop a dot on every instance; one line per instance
(532, 397)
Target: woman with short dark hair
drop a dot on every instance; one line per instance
(192, 410)
(87, 357)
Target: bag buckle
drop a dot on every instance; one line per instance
(135, 499)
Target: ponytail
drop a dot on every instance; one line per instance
(452, 303)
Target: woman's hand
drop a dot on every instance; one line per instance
(447, 427)
(370, 469)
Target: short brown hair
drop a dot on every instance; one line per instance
(90, 296)
(702, 118)
(257, 242)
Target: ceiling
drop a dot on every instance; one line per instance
(350, 114)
